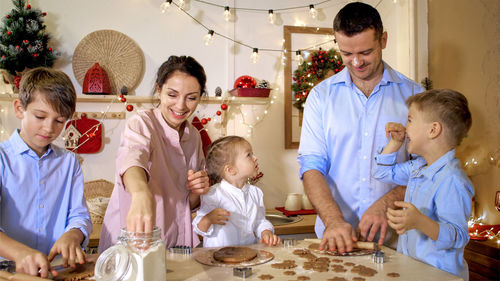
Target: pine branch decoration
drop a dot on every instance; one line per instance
(23, 40)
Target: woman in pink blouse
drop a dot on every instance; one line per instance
(160, 166)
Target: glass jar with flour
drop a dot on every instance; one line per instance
(136, 257)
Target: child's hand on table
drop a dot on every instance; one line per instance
(68, 245)
(269, 238)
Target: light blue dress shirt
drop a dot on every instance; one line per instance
(40, 197)
(341, 131)
(443, 193)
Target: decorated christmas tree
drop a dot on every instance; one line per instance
(319, 66)
(23, 40)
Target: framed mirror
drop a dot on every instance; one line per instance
(305, 39)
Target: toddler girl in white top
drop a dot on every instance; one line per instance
(232, 212)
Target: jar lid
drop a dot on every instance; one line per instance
(113, 264)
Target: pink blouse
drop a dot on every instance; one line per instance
(150, 143)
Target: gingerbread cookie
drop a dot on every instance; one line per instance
(266, 277)
(364, 271)
(235, 254)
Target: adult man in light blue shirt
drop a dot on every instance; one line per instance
(343, 128)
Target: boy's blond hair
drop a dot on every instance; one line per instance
(448, 107)
(220, 153)
(54, 86)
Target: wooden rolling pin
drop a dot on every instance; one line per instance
(357, 244)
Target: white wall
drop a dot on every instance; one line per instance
(161, 35)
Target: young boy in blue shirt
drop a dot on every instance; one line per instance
(43, 212)
(432, 223)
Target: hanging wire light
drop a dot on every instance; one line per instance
(312, 11)
(271, 17)
(207, 39)
(227, 13)
(299, 58)
(255, 55)
(165, 6)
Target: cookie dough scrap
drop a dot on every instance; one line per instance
(393, 274)
(266, 277)
(364, 271)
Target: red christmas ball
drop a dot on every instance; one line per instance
(28, 6)
(209, 119)
(17, 79)
(204, 121)
(123, 99)
(7, 16)
(44, 14)
(9, 32)
(3, 56)
(245, 81)
(35, 55)
(130, 107)
(50, 49)
(223, 106)
(218, 113)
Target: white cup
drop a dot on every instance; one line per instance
(293, 202)
(306, 204)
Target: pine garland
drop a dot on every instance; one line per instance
(320, 65)
(23, 40)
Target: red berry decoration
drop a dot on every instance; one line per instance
(123, 99)
(204, 121)
(28, 6)
(130, 107)
(44, 14)
(218, 113)
(245, 81)
(209, 119)
(223, 106)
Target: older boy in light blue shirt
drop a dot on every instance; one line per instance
(42, 208)
(433, 220)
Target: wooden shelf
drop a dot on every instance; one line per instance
(148, 99)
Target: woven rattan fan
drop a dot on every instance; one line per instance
(119, 55)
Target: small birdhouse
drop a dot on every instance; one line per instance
(71, 137)
(96, 81)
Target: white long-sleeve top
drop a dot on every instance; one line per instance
(247, 217)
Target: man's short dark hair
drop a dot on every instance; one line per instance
(356, 17)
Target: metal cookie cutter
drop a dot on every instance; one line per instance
(7, 265)
(378, 257)
(242, 272)
(289, 242)
(184, 250)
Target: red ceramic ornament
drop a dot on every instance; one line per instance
(96, 81)
(245, 81)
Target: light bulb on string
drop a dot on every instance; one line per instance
(299, 58)
(181, 4)
(165, 6)
(208, 38)
(227, 13)
(255, 55)
(313, 12)
(270, 16)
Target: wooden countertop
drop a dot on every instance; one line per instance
(306, 225)
(185, 267)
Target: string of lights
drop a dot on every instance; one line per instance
(263, 10)
(208, 38)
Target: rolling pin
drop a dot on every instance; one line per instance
(357, 244)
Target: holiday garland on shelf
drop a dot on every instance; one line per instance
(319, 66)
(23, 41)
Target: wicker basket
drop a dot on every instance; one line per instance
(95, 189)
(115, 52)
